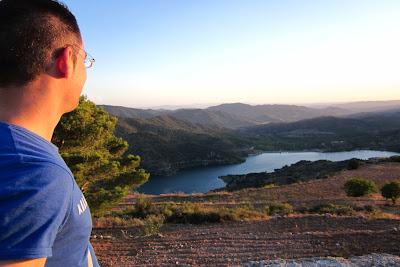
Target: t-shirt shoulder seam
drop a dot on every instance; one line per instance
(30, 133)
(52, 163)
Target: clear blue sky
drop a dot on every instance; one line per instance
(181, 52)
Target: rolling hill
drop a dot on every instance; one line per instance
(275, 113)
(124, 112)
(219, 118)
(167, 144)
(231, 115)
(369, 106)
(374, 131)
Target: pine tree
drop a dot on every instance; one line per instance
(86, 141)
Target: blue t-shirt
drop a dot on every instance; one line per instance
(43, 213)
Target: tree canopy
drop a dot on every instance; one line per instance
(391, 190)
(86, 141)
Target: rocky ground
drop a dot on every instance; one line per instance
(236, 243)
(293, 237)
(374, 259)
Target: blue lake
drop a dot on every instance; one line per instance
(204, 179)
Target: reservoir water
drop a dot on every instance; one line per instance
(204, 179)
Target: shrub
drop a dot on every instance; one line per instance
(334, 209)
(152, 224)
(353, 164)
(391, 159)
(189, 213)
(247, 213)
(280, 209)
(267, 210)
(395, 158)
(269, 185)
(391, 190)
(142, 208)
(358, 187)
(345, 210)
(323, 208)
(303, 208)
(370, 208)
(166, 210)
(115, 221)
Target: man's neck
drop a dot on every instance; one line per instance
(30, 107)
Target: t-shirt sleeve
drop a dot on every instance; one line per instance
(35, 201)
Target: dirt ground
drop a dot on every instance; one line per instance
(236, 243)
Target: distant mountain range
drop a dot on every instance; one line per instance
(367, 106)
(277, 113)
(239, 115)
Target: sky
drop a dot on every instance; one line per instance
(153, 53)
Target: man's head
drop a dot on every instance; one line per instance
(32, 35)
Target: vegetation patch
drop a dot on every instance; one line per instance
(354, 164)
(279, 209)
(370, 211)
(193, 213)
(395, 159)
(359, 187)
(391, 190)
(333, 209)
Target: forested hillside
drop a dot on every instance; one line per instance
(167, 144)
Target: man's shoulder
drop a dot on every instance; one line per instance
(44, 178)
(32, 173)
(20, 147)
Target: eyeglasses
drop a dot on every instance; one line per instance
(88, 59)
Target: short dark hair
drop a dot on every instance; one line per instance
(32, 34)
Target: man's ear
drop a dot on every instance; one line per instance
(65, 62)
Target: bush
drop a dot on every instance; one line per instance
(394, 158)
(359, 187)
(189, 213)
(323, 208)
(247, 213)
(353, 164)
(391, 190)
(279, 208)
(345, 210)
(153, 224)
(371, 208)
(142, 208)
